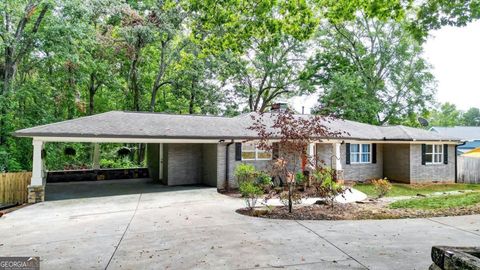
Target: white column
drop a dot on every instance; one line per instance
(311, 154)
(160, 160)
(96, 156)
(38, 172)
(337, 156)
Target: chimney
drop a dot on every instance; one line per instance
(279, 107)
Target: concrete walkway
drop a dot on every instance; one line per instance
(197, 228)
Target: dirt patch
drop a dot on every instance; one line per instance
(355, 211)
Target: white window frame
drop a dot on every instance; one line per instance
(256, 151)
(433, 153)
(360, 153)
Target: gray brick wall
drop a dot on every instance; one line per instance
(221, 161)
(360, 172)
(184, 164)
(209, 164)
(396, 160)
(428, 173)
(355, 172)
(221, 166)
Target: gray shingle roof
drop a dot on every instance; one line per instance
(464, 133)
(117, 124)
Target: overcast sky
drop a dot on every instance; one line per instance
(454, 53)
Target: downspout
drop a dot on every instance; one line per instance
(227, 165)
(456, 160)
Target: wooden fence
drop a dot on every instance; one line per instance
(468, 170)
(13, 187)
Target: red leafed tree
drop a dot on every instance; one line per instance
(293, 133)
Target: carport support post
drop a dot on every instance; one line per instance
(337, 161)
(96, 156)
(36, 189)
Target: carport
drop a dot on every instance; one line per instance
(177, 152)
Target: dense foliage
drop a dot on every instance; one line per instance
(63, 59)
(448, 115)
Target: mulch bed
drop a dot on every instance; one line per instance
(355, 211)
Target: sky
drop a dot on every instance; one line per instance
(454, 53)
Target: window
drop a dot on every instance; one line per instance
(434, 154)
(360, 153)
(251, 152)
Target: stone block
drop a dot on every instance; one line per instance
(455, 258)
(36, 194)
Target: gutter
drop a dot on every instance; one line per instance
(456, 160)
(227, 165)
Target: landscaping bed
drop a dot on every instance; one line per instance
(357, 211)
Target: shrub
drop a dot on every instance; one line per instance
(264, 180)
(245, 173)
(250, 192)
(325, 185)
(299, 178)
(296, 198)
(382, 187)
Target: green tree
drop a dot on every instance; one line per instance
(448, 115)
(471, 117)
(371, 71)
(433, 14)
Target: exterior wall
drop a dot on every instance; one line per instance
(209, 164)
(153, 162)
(259, 165)
(396, 160)
(184, 165)
(221, 161)
(324, 154)
(431, 173)
(360, 172)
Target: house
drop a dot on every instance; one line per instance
(190, 149)
(470, 135)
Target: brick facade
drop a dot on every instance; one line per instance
(206, 163)
(431, 172)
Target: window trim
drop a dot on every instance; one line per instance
(360, 153)
(434, 153)
(256, 151)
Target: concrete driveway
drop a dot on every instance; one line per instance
(147, 226)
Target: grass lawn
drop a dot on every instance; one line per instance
(437, 202)
(412, 190)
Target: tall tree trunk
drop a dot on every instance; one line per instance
(92, 91)
(192, 98)
(134, 85)
(158, 79)
(12, 56)
(133, 75)
(71, 90)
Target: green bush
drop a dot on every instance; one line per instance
(250, 192)
(299, 178)
(264, 178)
(117, 163)
(245, 173)
(382, 187)
(325, 185)
(8, 163)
